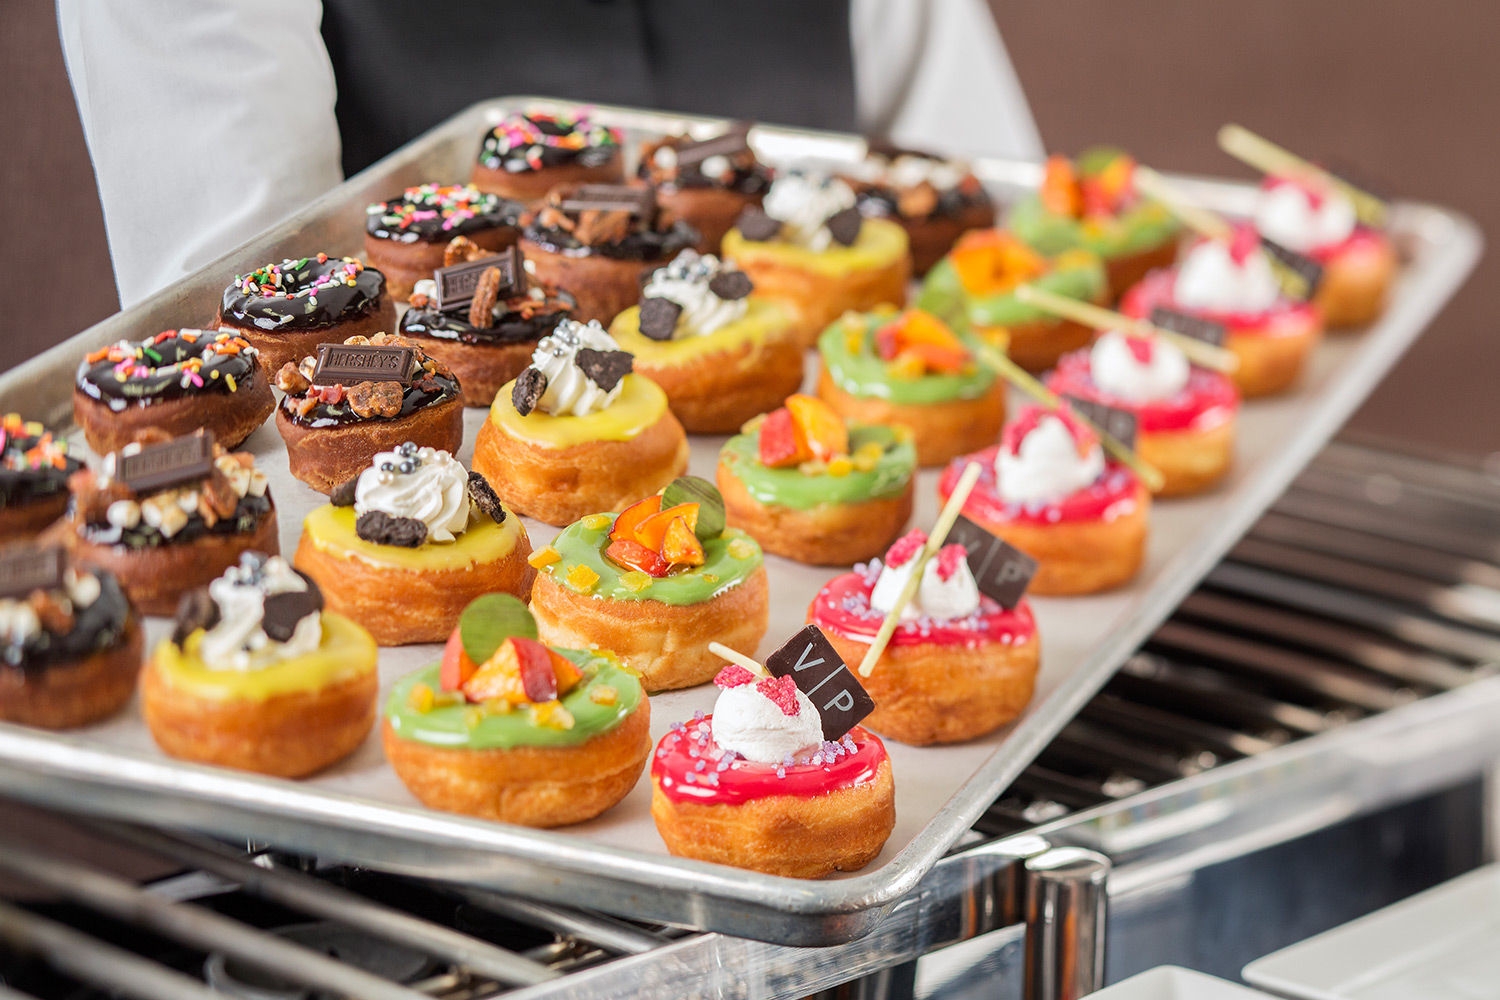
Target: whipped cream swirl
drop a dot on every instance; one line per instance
(685, 281)
(569, 391)
(802, 203)
(755, 727)
(425, 484)
(238, 640)
(1301, 219)
(1212, 280)
(1138, 369)
(947, 590)
(1046, 465)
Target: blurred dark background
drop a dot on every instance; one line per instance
(1406, 90)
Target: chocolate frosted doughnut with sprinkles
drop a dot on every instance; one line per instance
(406, 237)
(176, 381)
(527, 154)
(287, 309)
(34, 471)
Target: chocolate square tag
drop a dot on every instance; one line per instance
(456, 283)
(1298, 274)
(1001, 571)
(637, 201)
(25, 567)
(350, 364)
(731, 143)
(155, 467)
(821, 674)
(1117, 423)
(1189, 325)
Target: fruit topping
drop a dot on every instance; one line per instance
(680, 546)
(1060, 190)
(581, 578)
(632, 554)
(991, 262)
(1031, 416)
(822, 428)
(544, 557)
(457, 667)
(652, 532)
(783, 693)
(733, 676)
(919, 342)
(521, 671)
(905, 547)
(781, 442)
(631, 517)
(949, 559)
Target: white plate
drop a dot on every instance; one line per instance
(1168, 982)
(1443, 944)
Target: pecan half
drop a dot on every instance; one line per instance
(375, 399)
(290, 379)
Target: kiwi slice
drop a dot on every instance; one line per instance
(691, 489)
(490, 620)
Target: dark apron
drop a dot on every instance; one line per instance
(402, 66)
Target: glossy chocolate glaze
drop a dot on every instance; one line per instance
(512, 324)
(641, 244)
(306, 294)
(748, 175)
(501, 149)
(23, 478)
(98, 626)
(131, 376)
(424, 390)
(432, 213)
(247, 515)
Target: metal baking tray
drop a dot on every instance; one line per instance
(359, 812)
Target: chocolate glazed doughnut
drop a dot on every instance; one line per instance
(177, 382)
(706, 184)
(287, 309)
(526, 155)
(34, 471)
(407, 237)
(598, 242)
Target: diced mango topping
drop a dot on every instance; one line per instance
(635, 580)
(552, 714)
(596, 522)
(603, 694)
(743, 548)
(581, 578)
(544, 557)
(421, 698)
(840, 466)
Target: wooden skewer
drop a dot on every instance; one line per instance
(1200, 353)
(1196, 218)
(949, 514)
(735, 656)
(1267, 157)
(1021, 379)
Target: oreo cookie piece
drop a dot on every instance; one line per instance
(380, 528)
(343, 493)
(483, 496)
(731, 285)
(527, 392)
(844, 226)
(659, 318)
(604, 368)
(195, 610)
(283, 611)
(754, 224)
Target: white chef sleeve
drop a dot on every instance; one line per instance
(207, 121)
(933, 74)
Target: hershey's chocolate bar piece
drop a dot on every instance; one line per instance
(456, 283)
(1189, 325)
(350, 364)
(736, 140)
(1117, 423)
(24, 568)
(1298, 274)
(1002, 571)
(155, 467)
(820, 673)
(638, 201)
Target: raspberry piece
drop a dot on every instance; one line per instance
(1245, 241)
(783, 694)
(733, 676)
(907, 546)
(949, 558)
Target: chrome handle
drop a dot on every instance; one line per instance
(1066, 904)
